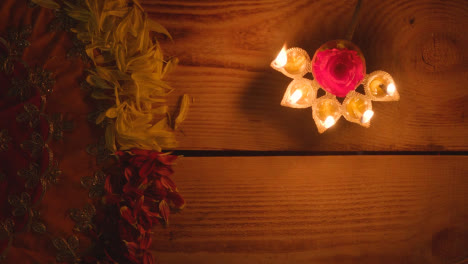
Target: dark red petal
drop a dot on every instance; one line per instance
(112, 199)
(157, 191)
(108, 185)
(127, 231)
(145, 241)
(148, 258)
(164, 211)
(109, 258)
(137, 161)
(154, 155)
(164, 170)
(142, 230)
(130, 189)
(146, 169)
(132, 248)
(167, 159)
(168, 183)
(138, 204)
(175, 200)
(128, 173)
(141, 152)
(127, 214)
(150, 213)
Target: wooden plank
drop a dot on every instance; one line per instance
(225, 48)
(335, 209)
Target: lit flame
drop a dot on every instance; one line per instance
(391, 88)
(366, 117)
(329, 122)
(296, 96)
(282, 58)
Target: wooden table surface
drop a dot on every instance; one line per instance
(318, 209)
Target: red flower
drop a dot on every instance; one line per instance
(138, 251)
(339, 67)
(147, 173)
(142, 193)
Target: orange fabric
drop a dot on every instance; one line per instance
(49, 49)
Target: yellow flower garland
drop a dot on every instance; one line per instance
(128, 69)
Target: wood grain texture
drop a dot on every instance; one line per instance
(225, 48)
(335, 209)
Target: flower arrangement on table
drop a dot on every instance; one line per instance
(338, 67)
(125, 79)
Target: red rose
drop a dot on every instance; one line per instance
(338, 67)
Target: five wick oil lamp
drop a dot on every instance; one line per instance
(338, 67)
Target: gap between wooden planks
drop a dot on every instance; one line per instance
(334, 209)
(225, 49)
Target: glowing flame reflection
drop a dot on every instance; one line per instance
(366, 117)
(296, 96)
(282, 58)
(391, 89)
(329, 122)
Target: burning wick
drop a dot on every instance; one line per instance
(391, 89)
(282, 58)
(295, 96)
(366, 117)
(329, 122)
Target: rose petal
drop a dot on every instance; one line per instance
(338, 71)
